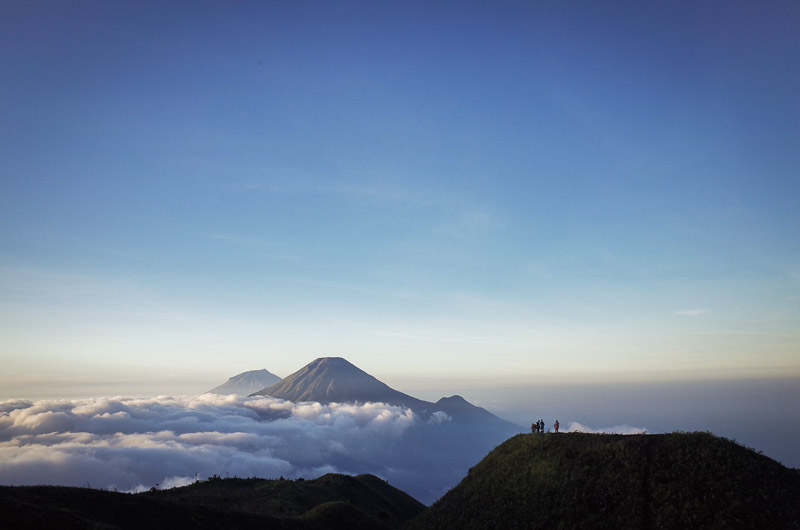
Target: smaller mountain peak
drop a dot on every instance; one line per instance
(454, 403)
(454, 399)
(246, 382)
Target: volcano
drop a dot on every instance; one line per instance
(246, 383)
(336, 380)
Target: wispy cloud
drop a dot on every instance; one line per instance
(254, 244)
(749, 333)
(371, 191)
(469, 222)
(690, 312)
(462, 218)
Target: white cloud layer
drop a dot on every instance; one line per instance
(574, 426)
(131, 444)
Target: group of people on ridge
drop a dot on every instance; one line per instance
(539, 426)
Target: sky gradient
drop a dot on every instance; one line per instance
(458, 192)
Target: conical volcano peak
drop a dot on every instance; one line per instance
(332, 363)
(334, 379)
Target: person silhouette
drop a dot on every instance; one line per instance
(555, 426)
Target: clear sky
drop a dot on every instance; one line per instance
(504, 192)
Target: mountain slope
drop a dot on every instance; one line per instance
(622, 482)
(364, 494)
(246, 383)
(333, 379)
(329, 502)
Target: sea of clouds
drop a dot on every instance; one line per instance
(133, 444)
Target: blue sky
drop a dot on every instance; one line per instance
(464, 191)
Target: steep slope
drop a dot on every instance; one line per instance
(333, 379)
(622, 482)
(246, 383)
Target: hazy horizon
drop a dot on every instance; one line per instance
(759, 413)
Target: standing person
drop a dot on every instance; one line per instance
(555, 426)
(541, 425)
(534, 428)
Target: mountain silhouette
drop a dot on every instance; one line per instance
(600, 481)
(246, 383)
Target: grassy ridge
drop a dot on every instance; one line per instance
(620, 482)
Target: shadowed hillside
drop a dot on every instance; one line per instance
(567, 481)
(294, 498)
(329, 502)
(620, 482)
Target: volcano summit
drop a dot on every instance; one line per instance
(334, 379)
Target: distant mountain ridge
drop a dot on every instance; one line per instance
(246, 383)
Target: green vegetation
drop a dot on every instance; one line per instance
(593, 481)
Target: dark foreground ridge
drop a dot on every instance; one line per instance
(641, 482)
(531, 481)
(333, 501)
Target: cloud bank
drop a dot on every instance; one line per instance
(132, 444)
(574, 426)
